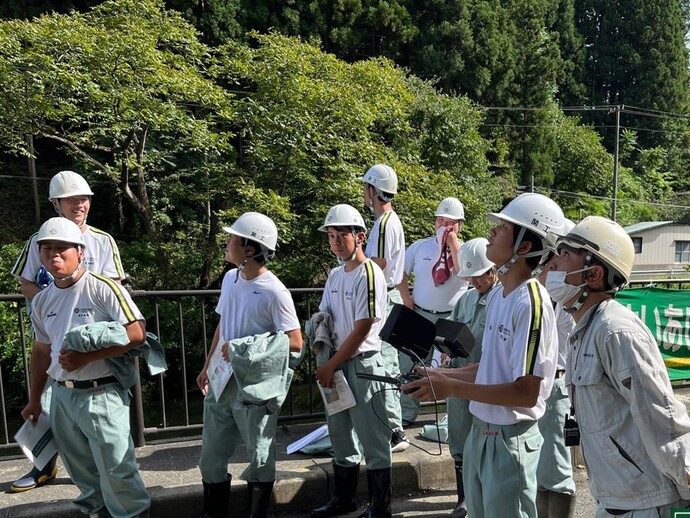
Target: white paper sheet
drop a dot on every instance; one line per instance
(340, 397)
(36, 441)
(308, 439)
(219, 371)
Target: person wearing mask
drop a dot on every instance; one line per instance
(634, 433)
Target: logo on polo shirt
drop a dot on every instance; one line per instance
(504, 333)
(51, 314)
(83, 312)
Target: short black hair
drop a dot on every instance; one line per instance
(531, 237)
(259, 255)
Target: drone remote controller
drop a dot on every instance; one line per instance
(398, 381)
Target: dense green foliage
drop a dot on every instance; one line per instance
(184, 114)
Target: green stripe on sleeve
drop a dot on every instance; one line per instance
(381, 249)
(534, 336)
(124, 304)
(371, 289)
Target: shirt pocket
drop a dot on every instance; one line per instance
(593, 398)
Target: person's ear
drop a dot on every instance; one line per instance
(524, 248)
(595, 275)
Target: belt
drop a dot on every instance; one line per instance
(560, 373)
(87, 384)
(617, 512)
(391, 289)
(433, 312)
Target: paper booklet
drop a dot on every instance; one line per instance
(308, 439)
(37, 441)
(340, 397)
(219, 371)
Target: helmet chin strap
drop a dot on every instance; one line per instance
(503, 269)
(56, 205)
(72, 276)
(354, 253)
(585, 291)
(243, 264)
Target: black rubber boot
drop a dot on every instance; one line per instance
(259, 498)
(543, 503)
(216, 498)
(36, 477)
(344, 501)
(379, 483)
(460, 510)
(561, 505)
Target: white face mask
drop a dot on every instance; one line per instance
(559, 290)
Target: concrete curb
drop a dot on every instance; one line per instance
(172, 478)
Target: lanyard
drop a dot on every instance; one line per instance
(582, 333)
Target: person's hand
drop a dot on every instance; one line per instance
(32, 411)
(324, 376)
(72, 360)
(225, 352)
(407, 300)
(430, 378)
(202, 381)
(452, 236)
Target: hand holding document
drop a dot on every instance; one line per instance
(36, 440)
(340, 397)
(219, 371)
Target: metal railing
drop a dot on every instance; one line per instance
(168, 404)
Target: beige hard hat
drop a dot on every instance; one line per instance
(607, 241)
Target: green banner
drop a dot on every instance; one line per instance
(667, 315)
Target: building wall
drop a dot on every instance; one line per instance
(659, 247)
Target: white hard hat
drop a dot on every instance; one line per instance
(472, 258)
(451, 208)
(607, 241)
(382, 177)
(66, 184)
(534, 212)
(343, 215)
(60, 229)
(255, 227)
(552, 237)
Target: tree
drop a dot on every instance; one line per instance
(313, 124)
(134, 118)
(636, 56)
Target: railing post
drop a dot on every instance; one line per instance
(136, 411)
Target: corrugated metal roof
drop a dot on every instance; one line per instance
(645, 225)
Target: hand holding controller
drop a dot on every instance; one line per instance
(406, 378)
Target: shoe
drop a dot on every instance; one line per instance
(399, 442)
(35, 478)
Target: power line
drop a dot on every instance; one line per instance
(570, 194)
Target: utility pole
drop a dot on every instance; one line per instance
(614, 203)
